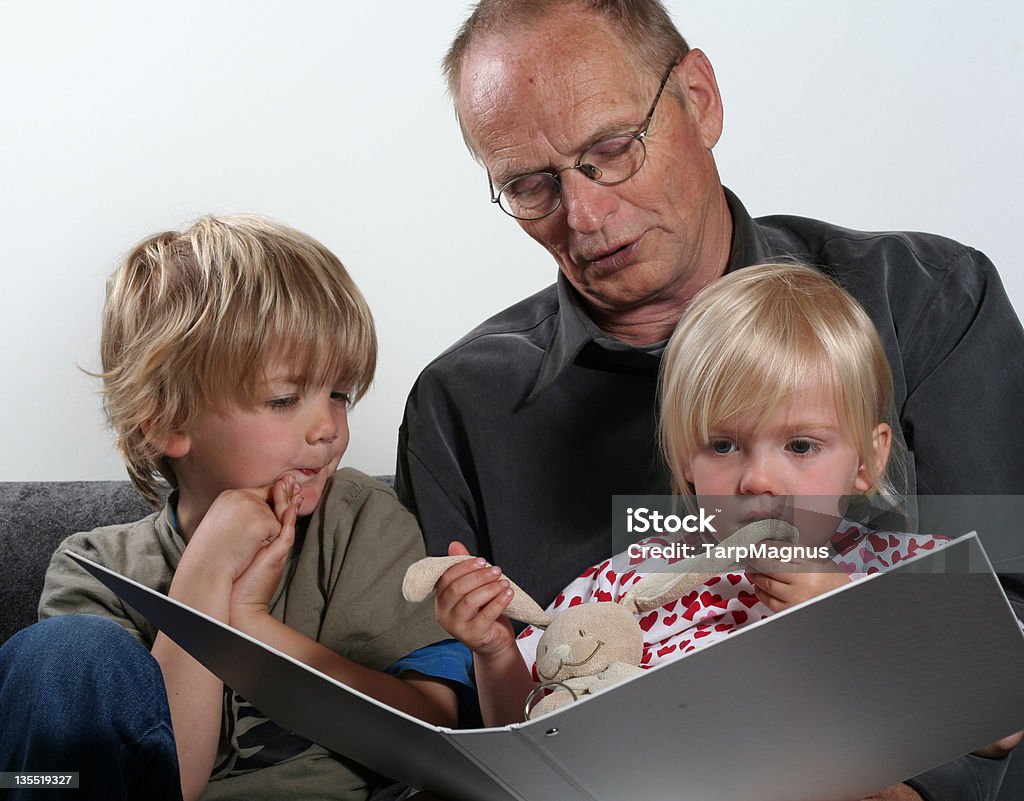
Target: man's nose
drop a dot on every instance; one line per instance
(587, 204)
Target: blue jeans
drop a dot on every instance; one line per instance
(78, 693)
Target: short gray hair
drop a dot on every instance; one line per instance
(645, 25)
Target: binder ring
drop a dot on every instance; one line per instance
(544, 686)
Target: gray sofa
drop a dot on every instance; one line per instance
(34, 517)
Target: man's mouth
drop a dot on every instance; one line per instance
(616, 258)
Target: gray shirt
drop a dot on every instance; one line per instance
(516, 438)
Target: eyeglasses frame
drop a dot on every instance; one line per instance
(639, 136)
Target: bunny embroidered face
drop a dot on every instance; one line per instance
(587, 639)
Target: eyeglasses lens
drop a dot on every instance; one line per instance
(610, 161)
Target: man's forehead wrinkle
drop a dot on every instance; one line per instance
(499, 103)
(534, 98)
(587, 109)
(485, 104)
(478, 104)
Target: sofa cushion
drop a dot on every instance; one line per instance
(34, 518)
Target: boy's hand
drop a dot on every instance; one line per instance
(252, 591)
(469, 600)
(780, 585)
(238, 523)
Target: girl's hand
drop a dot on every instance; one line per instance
(469, 602)
(780, 585)
(253, 589)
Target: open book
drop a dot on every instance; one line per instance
(858, 689)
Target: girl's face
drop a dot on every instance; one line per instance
(798, 464)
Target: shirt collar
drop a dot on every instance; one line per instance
(576, 331)
(577, 339)
(166, 524)
(749, 244)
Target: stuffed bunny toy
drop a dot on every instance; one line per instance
(588, 647)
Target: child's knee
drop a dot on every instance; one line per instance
(73, 660)
(79, 684)
(67, 642)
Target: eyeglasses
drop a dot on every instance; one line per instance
(608, 162)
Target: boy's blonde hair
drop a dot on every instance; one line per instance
(752, 338)
(194, 319)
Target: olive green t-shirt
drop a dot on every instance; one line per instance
(342, 588)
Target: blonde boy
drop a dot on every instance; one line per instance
(231, 353)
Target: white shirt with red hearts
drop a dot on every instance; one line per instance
(720, 605)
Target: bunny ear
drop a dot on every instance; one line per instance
(421, 577)
(658, 589)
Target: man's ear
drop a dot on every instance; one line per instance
(697, 79)
(174, 445)
(881, 440)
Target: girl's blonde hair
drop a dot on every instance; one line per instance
(194, 319)
(751, 339)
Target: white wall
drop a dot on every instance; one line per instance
(123, 118)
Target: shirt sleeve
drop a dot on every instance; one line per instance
(69, 589)
(431, 478)
(448, 659)
(964, 363)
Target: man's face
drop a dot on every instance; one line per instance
(536, 99)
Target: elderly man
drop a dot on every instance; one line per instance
(596, 124)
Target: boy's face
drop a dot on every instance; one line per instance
(288, 431)
(798, 465)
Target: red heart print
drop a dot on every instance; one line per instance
(709, 599)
